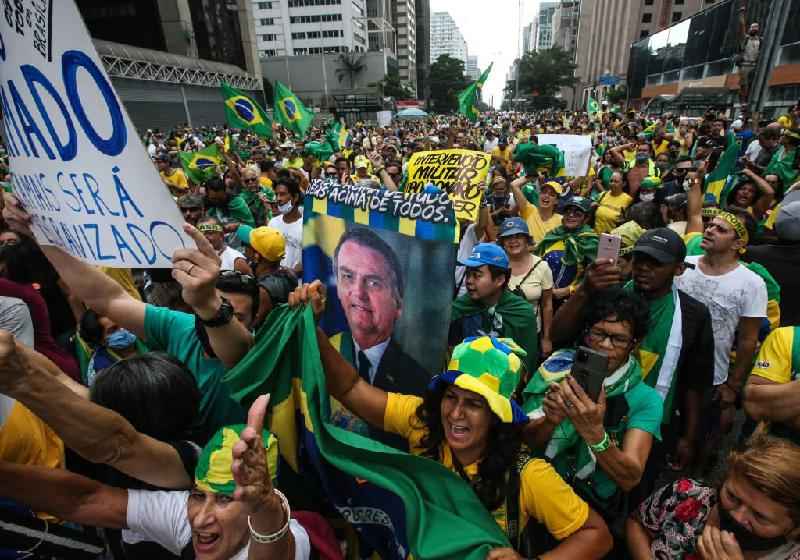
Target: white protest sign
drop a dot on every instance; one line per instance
(76, 160)
(577, 151)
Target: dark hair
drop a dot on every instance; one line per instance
(90, 329)
(215, 184)
(266, 165)
(368, 238)
(153, 391)
(499, 457)
(768, 133)
(290, 183)
(747, 219)
(495, 272)
(731, 199)
(623, 306)
(646, 214)
(236, 282)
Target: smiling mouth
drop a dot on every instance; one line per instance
(458, 431)
(206, 540)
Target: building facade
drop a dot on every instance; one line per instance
(422, 9)
(404, 20)
(565, 25)
(308, 27)
(544, 33)
(446, 38)
(529, 36)
(472, 71)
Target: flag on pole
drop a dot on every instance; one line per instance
(203, 165)
(290, 111)
(469, 97)
(407, 503)
(242, 112)
(717, 180)
(592, 107)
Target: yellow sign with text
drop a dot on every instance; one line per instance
(461, 173)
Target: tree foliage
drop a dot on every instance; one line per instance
(393, 86)
(617, 94)
(447, 79)
(543, 73)
(351, 64)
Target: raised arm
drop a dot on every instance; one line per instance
(694, 208)
(96, 433)
(519, 196)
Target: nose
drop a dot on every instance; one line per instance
(205, 516)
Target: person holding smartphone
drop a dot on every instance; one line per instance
(599, 447)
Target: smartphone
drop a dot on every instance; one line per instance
(608, 247)
(590, 369)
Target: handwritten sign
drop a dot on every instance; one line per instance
(76, 162)
(577, 151)
(460, 173)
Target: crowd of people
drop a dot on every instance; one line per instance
(620, 379)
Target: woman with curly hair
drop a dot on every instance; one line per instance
(468, 422)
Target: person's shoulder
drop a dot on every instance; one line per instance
(691, 304)
(642, 397)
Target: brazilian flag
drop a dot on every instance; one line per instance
(290, 111)
(469, 97)
(242, 112)
(203, 165)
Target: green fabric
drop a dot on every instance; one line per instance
(468, 98)
(531, 194)
(290, 112)
(238, 212)
(716, 180)
(651, 183)
(498, 358)
(654, 344)
(243, 112)
(783, 165)
(605, 174)
(320, 150)
(796, 350)
(173, 332)
(579, 244)
(213, 470)
(435, 499)
(261, 215)
(592, 107)
(518, 317)
(203, 165)
(543, 158)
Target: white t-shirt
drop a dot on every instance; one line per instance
(739, 293)
(753, 151)
(293, 234)
(228, 258)
(160, 517)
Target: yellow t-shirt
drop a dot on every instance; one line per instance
(774, 361)
(538, 227)
(176, 180)
(543, 495)
(609, 210)
(26, 440)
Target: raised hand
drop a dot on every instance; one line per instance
(197, 270)
(249, 467)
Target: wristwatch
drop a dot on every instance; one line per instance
(222, 317)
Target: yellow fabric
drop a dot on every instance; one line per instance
(296, 163)
(26, 440)
(498, 403)
(265, 182)
(538, 227)
(774, 361)
(177, 179)
(503, 155)
(661, 148)
(689, 236)
(124, 278)
(609, 211)
(543, 496)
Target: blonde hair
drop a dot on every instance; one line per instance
(769, 464)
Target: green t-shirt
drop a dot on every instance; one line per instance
(645, 409)
(173, 332)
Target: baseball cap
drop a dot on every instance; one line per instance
(514, 226)
(190, 201)
(663, 244)
(787, 224)
(361, 161)
(556, 186)
(486, 253)
(580, 202)
(266, 241)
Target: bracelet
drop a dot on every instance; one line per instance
(602, 445)
(280, 533)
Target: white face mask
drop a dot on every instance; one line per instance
(285, 208)
(647, 197)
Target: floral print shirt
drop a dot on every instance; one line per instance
(676, 515)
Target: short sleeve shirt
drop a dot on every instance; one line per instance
(536, 225)
(775, 359)
(173, 332)
(544, 496)
(160, 517)
(609, 210)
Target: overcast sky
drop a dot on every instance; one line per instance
(491, 29)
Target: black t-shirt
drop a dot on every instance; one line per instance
(782, 260)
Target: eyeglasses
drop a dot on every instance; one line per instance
(251, 180)
(598, 336)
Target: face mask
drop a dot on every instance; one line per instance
(120, 339)
(647, 197)
(641, 159)
(746, 539)
(285, 208)
(663, 166)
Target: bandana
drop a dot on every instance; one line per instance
(213, 472)
(210, 228)
(651, 183)
(731, 219)
(629, 233)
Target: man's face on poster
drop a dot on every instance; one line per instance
(368, 292)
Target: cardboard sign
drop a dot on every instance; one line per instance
(577, 151)
(461, 173)
(76, 160)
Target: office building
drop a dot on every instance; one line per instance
(404, 20)
(446, 38)
(544, 34)
(529, 36)
(565, 25)
(422, 9)
(472, 71)
(305, 27)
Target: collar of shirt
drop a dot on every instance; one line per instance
(374, 355)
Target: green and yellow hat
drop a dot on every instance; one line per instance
(490, 367)
(629, 233)
(213, 471)
(651, 182)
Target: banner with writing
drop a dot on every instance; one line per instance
(577, 151)
(462, 173)
(76, 160)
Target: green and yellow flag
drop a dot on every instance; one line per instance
(203, 165)
(592, 107)
(290, 111)
(469, 97)
(718, 178)
(242, 112)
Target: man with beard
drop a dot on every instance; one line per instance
(676, 355)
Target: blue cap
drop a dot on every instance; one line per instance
(514, 226)
(486, 253)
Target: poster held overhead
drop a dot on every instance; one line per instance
(77, 165)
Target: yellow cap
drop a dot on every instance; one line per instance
(361, 161)
(268, 242)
